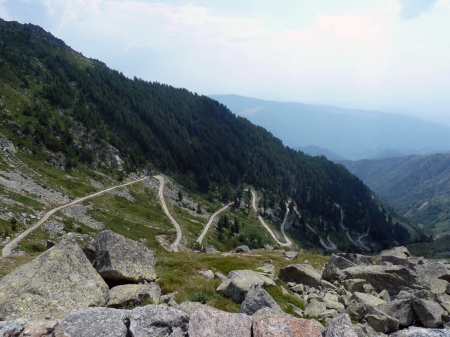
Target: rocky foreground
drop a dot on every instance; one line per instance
(73, 291)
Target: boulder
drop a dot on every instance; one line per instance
(256, 299)
(209, 274)
(242, 249)
(402, 310)
(438, 286)
(216, 323)
(367, 299)
(267, 270)
(89, 251)
(332, 269)
(315, 308)
(430, 313)
(284, 326)
(340, 326)
(158, 320)
(382, 323)
(391, 278)
(354, 285)
(119, 259)
(9, 328)
(99, 322)
(50, 286)
(210, 250)
(432, 270)
(38, 329)
(421, 332)
(291, 255)
(190, 307)
(133, 294)
(397, 256)
(357, 259)
(300, 273)
(239, 282)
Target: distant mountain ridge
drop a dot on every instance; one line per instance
(350, 133)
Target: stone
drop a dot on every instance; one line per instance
(354, 285)
(267, 270)
(59, 280)
(363, 330)
(396, 256)
(120, 259)
(242, 249)
(402, 310)
(215, 323)
(315, 309)
(430, 313)
(99, 322)
(239, 282)
(210, 250)
(158, 320)
(38, 329)
(190, 307)
(421, 332)
(340, 326)
(12, 327)
(256, 299)
(357, 259)
(332, 269)
(384, 295)
(382, 323)
(291, 255)
(438, 286)
(367, 299)
(209, 274)
(133, 294)
(300, 273)
(284, 326)
(168, 299)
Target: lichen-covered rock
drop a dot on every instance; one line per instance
(216, 323)
(300, 273)
(190, 307)
(367, 299)
(99, 322)
(284, 326)
(10, 328)
(400, 309)
(38, 329)
(332, 269)
(59, 280)
(397, 256)
(382, 323)
(257, 298)
(421, 332)
(121, 259)
(315, 309)
(430, 313)
(239, 282)
(129, 294)
(354, 285)
(340, 326)
(158, 320)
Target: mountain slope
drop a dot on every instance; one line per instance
(353, 134)
(417, 186)
(70, 109)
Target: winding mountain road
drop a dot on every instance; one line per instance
(284, 244)
(174, 247)
(8, 247)
(211, 219)
(360, 242)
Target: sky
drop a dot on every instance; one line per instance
(388, 55)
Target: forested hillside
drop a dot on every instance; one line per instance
(417, 186)
(55, 99)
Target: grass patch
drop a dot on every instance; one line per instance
(284, 300)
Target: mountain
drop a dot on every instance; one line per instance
(70, 112)
(315, 150)
(352, 134)
(418, 186)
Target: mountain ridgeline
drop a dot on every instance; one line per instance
(54, 99)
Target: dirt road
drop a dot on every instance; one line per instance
(205, 230)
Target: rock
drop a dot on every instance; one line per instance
(300, 273)
(210, 250)
(390, 278)
(430, 313)
(133, 294)
(340, 326)
(6, 145)
(438, 286)
(397, 256)
(432, 270)
(367, 299)
(268, 247)
(421, 332)
(12, 327)
(332, 269)
(207, 273)
(362, 330)
(158, 320)
(168, 299)
(99, 322)
(242, 249)
(256, 299)
(190, 307)
(291, 255)
(357, 259)
(220, 275)
(382, 323)
(239, 282)
(215, 323)
(354, 285)
(51, 285)
(384, 295)
(402, 310)
(284, 326)
(268, 270)
(123, 260)
(38, 329)
(315, 309)
(90, 252)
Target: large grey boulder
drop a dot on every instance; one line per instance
(50, 286)
(239, 282)
(284, 326)
(430, 313)
(129, 294)
(392, 278)
(332, 269)
(401, 309)
(257, 298)
(382, 323)
(367, 299)
(242, 249)
(190, 307)
(397, 256)
(421, 332)
(216, 323)
(340, 326)
(291, 255)
(10, 328)
(158, 321)
(300, 273)
(430, 271)
(119, 259)
(99, 322)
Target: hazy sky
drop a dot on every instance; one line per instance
(392, 55)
